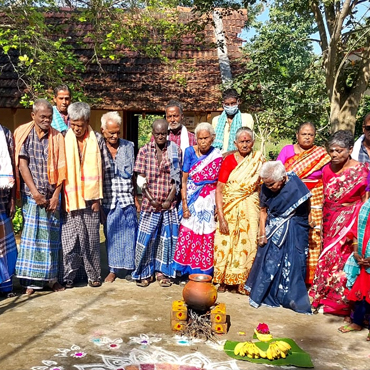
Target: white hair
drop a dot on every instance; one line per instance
(244, 129)
(204, 126)
(110, 116)
(273, 170)
(79, 111)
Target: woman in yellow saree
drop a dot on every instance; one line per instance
(238, 209)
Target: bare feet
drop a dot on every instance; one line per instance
(347, 320)
(29, 291)
(58, 287)
(350, 327)
(110, 278)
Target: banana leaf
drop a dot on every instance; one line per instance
(296, 356)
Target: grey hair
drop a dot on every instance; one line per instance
(110, 116)
(79, 110)
(174, 103)
(343, 138)
(273, 170)
(244, 129)
(204, 126)
(41, 103)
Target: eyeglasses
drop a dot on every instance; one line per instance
(367, 128)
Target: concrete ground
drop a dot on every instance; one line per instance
(90, 328)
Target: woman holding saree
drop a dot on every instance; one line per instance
(202, 163)
(307, 161)
(344, 192)
(238, 214)
(278, 273)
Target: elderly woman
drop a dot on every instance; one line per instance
(238, 213)
(344, 192)
(278, 272)
(202, 163)
(307, 161)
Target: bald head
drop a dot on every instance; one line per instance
(160, 131)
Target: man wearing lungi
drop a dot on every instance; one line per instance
(159, 163)
(120, 202)
(62, 99)
(86, 157)
(40, 156)
(8, 247)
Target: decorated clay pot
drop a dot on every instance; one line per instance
(199, 293)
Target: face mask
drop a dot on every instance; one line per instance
(231, 111)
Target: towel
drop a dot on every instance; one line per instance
(84, 177)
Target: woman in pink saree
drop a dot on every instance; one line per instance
(345, 183)
(202, 163)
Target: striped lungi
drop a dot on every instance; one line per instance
(40, 244)
(156, 243)
(81, 244)
(8, 247)
(120, 233)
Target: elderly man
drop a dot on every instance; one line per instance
(62, 100)
(361, 149)
(8, 247)
(177, 131)
(230, 121)
(86, 157)
(119, 200)
(40, 156)
(159, 163)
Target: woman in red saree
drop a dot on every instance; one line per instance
(307, 161)
(344, 192)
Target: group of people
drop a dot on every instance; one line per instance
(279, 231)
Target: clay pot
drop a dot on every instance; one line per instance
(199, 293)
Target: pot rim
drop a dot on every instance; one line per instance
(200, 278)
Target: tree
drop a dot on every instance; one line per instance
(284, 81)
(41, 53)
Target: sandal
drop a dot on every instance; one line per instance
(144, 282)
(94, 284)
(68, 284)
(163, 281)
(348, 328)
(368, 337)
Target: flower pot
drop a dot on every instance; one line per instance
(199, 293)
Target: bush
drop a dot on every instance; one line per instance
(18, 220)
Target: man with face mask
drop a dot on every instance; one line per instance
(230, 121)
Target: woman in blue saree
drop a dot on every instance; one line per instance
(278, 273)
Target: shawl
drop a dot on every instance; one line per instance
(220, 128)
(123, 163)
(84, 175)
(357, 147)
(58, 121)
(175, 170)
(307, 162)
(243, 180)
(184, 139)
(352, 268)
(6, 168)
(56, 152)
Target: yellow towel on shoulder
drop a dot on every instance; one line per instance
(84, 178)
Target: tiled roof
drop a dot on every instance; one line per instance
(138, 83)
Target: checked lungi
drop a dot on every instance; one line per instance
(8, 247)
(120, 232)
(156, 243)
(81, 244)
(38, 257)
